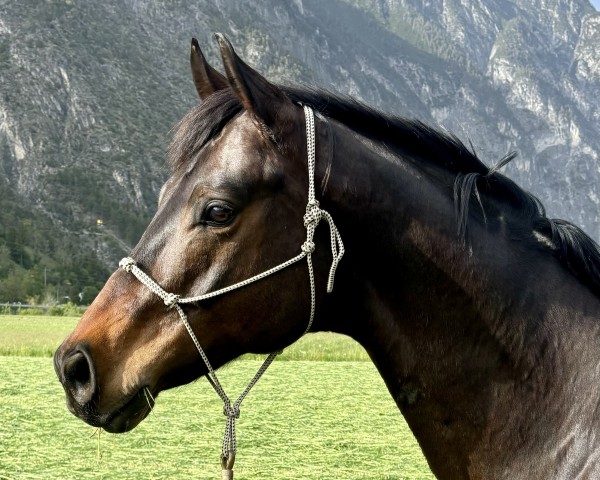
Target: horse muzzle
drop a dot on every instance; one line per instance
(77, 374)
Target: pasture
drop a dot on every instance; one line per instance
(324, 413)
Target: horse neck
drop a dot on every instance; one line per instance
(469, 340)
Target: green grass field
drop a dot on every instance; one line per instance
(312, 418)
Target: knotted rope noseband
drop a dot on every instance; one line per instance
(314, 214)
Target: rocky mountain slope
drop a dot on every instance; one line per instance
(89, 91)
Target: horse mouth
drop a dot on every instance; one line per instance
(135, 409)
(131, 413)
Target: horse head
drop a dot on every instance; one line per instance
(232, 208)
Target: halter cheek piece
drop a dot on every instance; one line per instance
(314, 214)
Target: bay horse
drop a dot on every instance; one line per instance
(481, 314)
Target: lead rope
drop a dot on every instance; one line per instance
(314, 214)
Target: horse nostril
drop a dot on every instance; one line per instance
(78, 376)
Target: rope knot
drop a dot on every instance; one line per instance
(171, 299)
(127, 264)
(231, 411)
(313, 214)
(308, 246)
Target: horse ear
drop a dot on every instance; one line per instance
(260, 97)
(206, 78)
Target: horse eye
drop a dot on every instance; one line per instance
(219, 215)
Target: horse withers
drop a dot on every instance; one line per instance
(480, 313)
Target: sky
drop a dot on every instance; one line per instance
(596, 3)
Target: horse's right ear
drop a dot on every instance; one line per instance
(264, 100)
(206, 79)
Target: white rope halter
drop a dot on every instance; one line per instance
(312, 217)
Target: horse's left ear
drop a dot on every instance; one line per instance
(206, 79)
(265, 101)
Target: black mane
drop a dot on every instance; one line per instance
(201, 124)
(569, 243)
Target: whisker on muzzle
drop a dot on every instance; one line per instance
(149, 398)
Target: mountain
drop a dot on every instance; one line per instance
(90, 90)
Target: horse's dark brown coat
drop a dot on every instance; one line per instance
(487, 336)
